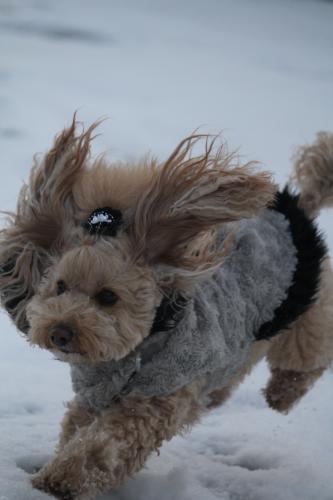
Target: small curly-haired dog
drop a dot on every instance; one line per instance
(162, 285)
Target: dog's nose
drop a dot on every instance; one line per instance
(60, 335)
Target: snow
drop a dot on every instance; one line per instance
(261, 69)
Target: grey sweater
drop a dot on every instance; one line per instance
(217, 328)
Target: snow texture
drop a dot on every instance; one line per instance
(260, 68)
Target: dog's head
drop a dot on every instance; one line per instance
(94, 250)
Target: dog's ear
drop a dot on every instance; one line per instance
(46, 200)
(44, 204)
(189, 195)
(21, 268)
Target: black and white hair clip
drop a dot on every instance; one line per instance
(104, 221)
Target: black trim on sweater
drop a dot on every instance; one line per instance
(311, 249)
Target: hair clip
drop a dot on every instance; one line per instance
(104, 221)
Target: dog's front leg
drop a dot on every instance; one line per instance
(114, 444)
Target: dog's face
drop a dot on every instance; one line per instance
(90, 293)
(93, 304)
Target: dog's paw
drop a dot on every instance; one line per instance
(56, 488)
(72, 478)
(286, 387)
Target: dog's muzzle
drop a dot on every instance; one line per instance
(60, 336)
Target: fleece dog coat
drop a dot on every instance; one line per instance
(267, 280)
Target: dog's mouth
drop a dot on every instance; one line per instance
(67, 355)
(65, 350)
(68, 350)
(63, 353)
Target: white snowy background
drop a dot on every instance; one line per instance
(259, 70)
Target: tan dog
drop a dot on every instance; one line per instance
(92, 299)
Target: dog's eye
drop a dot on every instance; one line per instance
(61, 287)
(106, 297)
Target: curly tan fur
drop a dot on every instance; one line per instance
(188, 196)
(101, 332)
(44, 205)
(309, 344)
(287, 387)
(98, 452)
(313, 174)
(297, 357)
(171, 212)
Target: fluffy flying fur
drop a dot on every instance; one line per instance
(53, 273)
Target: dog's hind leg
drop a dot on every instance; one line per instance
(298, 356)
(287, 387)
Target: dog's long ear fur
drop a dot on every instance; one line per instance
(190, 195)
(43, 205)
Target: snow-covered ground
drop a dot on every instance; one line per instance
(261, 71)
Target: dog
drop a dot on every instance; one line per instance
(163, 284)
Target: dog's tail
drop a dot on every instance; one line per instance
(313, 174)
